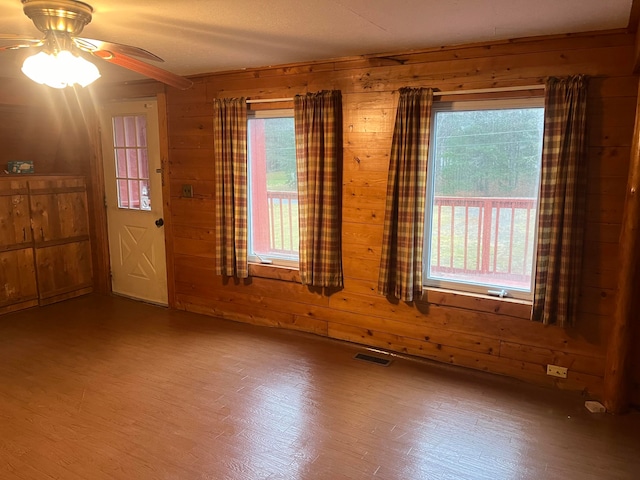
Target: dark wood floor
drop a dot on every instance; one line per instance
(107, 388)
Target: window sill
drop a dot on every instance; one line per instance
(275, 272)
(477, 302)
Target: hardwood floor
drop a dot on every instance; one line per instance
(107, 388)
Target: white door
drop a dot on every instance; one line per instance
(133, 196)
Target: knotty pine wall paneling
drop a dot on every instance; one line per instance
(56, 129)
(42, 124)
(480, 333)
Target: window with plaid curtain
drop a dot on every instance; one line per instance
(230, 166)
(401, 261)
(562, 201)
(318, 127)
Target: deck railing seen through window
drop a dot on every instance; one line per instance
(487, 240)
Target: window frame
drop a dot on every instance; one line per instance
(287, 261)
(468, 287)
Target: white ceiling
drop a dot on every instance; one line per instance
(199, 36)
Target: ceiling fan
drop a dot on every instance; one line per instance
(62, 21)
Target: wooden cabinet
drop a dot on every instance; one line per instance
(17, 269)
(62, 246)
(45, 252)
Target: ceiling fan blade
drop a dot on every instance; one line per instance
(14, 47)
(23, 42)
(145, 69)
(18, 38)
(91, 45)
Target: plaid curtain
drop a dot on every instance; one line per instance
(318, 128)
(401, 262)
(562, 202)
(230, 164)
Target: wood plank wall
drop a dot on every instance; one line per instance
(485, 334)
(51, 128)
(38, 123)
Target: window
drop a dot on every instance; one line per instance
(132, 161)
(482, 196)
(273, 188)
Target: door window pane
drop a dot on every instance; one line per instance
(118, 131)
(123, 194)
(130, 133)
(132, 162)
(143, 162)
(145, 203)
(134, 194)
(121, 162)
(141, 131)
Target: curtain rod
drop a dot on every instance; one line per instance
(489, 90)
(435, 94)
(269, 100)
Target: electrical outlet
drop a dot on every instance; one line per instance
(187, 191)
(556, 371)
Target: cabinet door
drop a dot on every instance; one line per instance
(59, 210)
(61, 238)
(64, 271)
(17, 273)
(18, 288)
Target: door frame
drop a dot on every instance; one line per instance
(163, 138)
(97, 174)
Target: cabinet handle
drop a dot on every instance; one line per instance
(24, 234)
(42, 233)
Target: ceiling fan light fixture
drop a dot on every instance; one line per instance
(69, 16)
(60, 69)
(61, 61)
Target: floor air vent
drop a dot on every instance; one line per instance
(371, 359)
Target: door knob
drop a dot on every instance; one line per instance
(159, 222)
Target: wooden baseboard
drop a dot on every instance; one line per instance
(18, 306)
(65, 296)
